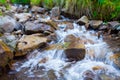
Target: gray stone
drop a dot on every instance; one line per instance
(95, 24)
(83, 20)
(31, 28)
(7, 24)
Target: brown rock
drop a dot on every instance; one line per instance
(28, 43)
(95, 24)
(75, 50)
(83, 20)
(52, 37)
(74, 54)
(38, 9)
(98, 68)
(69, 26)
(51, 75)
(44, 60)
(5, 54)
(49, 22)
(115, 58)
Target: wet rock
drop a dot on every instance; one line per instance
(69, 26)
(52, 37)
(103, 27)
(38, 9)
(51, 75)
(37, 28)
(54, 46)
(98, 68)
(5, 54)
(55, 13)
(83, 20)
(95, 24)
(114, 25)
(44, 60)
(116, 59)
(7, 24)
(30, 42)
(75, 54)
(49, 22)
(19, 26)
(10, 40)
(22, 17)
(89, 75)
(75, 49)
(108, 77)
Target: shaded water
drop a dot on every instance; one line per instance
(40, 64)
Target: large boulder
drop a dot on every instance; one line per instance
(30, 42)
(75, 49)
(5, 54)
(95, 24)
(22, 17)
(83, 20)
(7, 24)
(31, 27)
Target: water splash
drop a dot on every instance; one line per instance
(97, 54)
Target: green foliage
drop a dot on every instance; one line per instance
(20, 1)
(35, 2)
(48, 4)
(59, 3)
(2, 1)
(95, 9)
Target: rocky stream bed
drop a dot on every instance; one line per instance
(40, 44)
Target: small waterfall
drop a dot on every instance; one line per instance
(97, 54)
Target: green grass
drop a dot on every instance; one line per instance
(2, 1)
(35, 2)
(95, 9)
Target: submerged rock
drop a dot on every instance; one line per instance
(29, 42)
(5, 54)
(51, 75)
(116, 59)
(90, 75)
(108, 77)
(83, 20)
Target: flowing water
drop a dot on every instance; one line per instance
(55, 66)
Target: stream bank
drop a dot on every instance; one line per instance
(57, 48)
